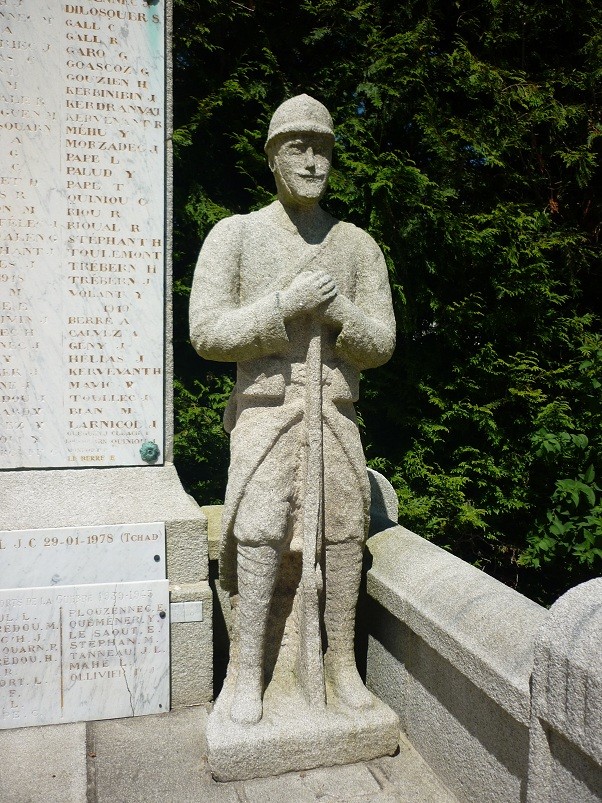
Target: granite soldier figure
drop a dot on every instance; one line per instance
(301, 301)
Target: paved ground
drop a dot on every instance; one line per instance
(162, 759)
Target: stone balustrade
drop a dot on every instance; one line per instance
(501, 697)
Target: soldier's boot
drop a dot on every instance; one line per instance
(257, 568)
(343, 574)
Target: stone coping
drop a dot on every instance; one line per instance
(86, 496)
(485, 629)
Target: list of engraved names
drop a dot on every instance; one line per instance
(83, 652)
(81, 215)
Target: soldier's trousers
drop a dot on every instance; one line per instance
(270, 511)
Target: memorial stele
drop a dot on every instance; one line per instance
(86, 367)
(301, 301)
(82, 258)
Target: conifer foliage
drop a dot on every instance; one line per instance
(469, 139)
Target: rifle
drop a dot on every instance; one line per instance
(310, 648)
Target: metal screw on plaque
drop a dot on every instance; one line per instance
(162, 614)
(149, 452)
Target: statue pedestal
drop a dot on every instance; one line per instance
(292, 737)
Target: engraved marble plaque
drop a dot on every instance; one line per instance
(82, 221)
(83, 652)
(112, 553)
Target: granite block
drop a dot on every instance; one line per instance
(565, 757)
(43, 765)
(192, 648)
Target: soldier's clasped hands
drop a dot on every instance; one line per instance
(308, 291)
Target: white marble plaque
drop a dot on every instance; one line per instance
(83, 652)
(113, 553)
(82, 221)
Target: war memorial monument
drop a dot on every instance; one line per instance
(107, 609)
(302, 303)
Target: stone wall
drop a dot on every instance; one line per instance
(452, 651)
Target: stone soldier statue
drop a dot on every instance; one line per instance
(301, 301)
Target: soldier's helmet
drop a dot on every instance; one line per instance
(299, 115)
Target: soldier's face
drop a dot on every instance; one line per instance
(301, 165)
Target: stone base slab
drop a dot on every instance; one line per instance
(293, 737)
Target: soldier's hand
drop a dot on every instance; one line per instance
(307, 292)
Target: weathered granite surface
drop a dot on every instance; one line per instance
(163, 758)
(97, 496)
(384, 504)
(451, 651)
(44, 765)
(301, 302)
(383, 511)
(565, 757)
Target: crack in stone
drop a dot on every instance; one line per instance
(127, 685)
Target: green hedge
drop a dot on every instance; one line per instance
(469, 146)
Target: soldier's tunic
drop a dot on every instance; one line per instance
(245, 262)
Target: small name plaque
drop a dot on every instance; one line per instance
(75, 653)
